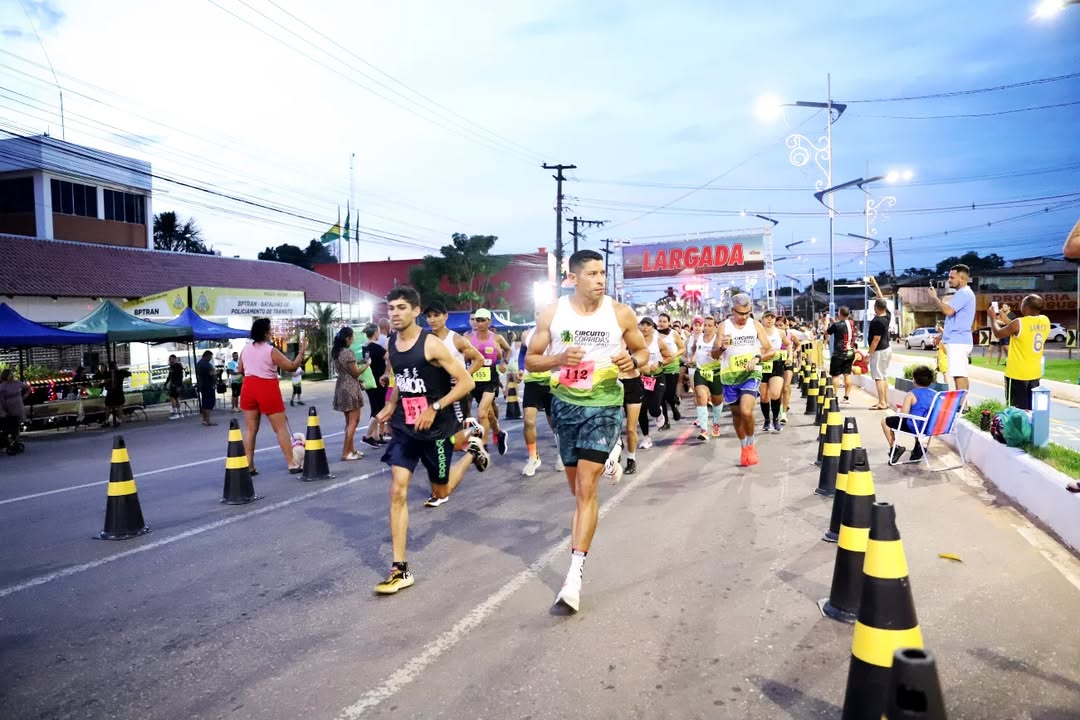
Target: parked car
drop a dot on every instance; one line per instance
(922, 338)
(1057, 333)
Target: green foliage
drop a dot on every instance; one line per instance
(973, 260)
(909, 371)
(315, 253)
(1057, 456)
(467, 267)
(974, 412)
(171, 235)
(324, 317)
(33, 372)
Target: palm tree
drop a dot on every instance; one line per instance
(324, 317)
(170, 235)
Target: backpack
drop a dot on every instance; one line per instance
(1012, 427)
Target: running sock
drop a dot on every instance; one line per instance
(765, 410)
(775, 408)
(577, 562)
(717, 411)
(744, 441)
(749, 440)
(631, 455)
(402, 566)
(531, 447)
(703, 416)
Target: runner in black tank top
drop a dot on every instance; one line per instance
(427, 383)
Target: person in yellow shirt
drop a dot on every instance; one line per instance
(1024, 366)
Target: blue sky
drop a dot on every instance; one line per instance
(639, 95)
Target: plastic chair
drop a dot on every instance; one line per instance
(945, 408)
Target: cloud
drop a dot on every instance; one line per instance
(14, 33)
(45, 13)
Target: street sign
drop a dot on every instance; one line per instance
(984, 337)
(1070, 338)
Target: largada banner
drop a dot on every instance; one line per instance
(160, 306)
(222, 302)
(702, 256)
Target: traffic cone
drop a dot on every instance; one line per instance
(848, 443)
(239, 489)
(316, 466)
(513, 407)
(123, 514)
(914, 690)
(811, 394)
(829, 405)
(847, 580)
(830, 454)
(886, 621)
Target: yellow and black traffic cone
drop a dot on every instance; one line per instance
(844, 594)
(849, 442)
(811, 395)
(316, 466)
(830, 454)
(123, 514)
(513, 407)
(239, 489)
(886, 621)
(826, 408)
(914, 690)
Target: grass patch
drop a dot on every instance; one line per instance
(1059, 369)
(1059, 457)
(974, 412)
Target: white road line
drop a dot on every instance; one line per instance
(139, 475)
(411, 670)
(1058, 557)
(76, 569)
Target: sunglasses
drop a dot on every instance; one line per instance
(744, 314)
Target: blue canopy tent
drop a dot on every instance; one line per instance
(203, 329)
(18, 332)
(458, 321)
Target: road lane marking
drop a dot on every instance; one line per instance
(1059, 558)
(76, 569)
(140, 475)
(431, 652)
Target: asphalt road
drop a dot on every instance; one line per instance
(699, 597)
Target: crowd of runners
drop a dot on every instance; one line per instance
(601, 376)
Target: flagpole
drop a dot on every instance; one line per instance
(356, 220)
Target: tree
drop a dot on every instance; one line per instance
(170, 235)
(287, 254)
(426, 278)
(324, 317)
(973, 260)
(468, 267)
(317, 253)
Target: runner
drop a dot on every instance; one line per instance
(707, 388)
(580, 339)
(459, 349)
(671, 369)
(843, 352)
(772, 375)
(427, 382)
(653, 382)
(743, 345)
(496, 352)
(688, 357)
(535, 395)
(786, 356)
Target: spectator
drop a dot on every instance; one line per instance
(174, 386)
(374, 354)
(942, 360)
(1024, 367)
(1006, 316)
(206, 380)
(261, 394)
(1071, 251)
(297, 377)
(236, 380)
(12, 408)
(916, 403)
(959, 316)
(384, 332)
(348, 395)
(880, 348)
(114, 393)
(843, 352)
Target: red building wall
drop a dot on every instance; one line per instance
(380, 277)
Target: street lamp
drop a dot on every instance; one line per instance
(1048, 9)
(800, 242)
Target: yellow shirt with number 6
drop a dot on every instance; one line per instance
(1026, 348)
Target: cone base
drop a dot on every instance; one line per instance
(313, 478)
(824, 491)
(817, 463)
(105, 535)
(240, 501)
(831, 611)
(830, 536)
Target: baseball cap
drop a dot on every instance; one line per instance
(647, 321)
(482, 314)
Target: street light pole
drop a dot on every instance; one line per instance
(832, 213)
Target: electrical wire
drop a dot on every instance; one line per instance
(971, 115)
(958, 93)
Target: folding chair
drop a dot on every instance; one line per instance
(941, 420)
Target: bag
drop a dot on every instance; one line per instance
(367, 379)
(221, 387)
(1012, 426)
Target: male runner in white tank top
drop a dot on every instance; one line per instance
(580, 341)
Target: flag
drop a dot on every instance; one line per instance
(334, 233)
(347, 213)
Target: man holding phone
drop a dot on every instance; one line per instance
(959, 315)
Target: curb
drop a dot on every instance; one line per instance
(1060, 390)
(1035, 487)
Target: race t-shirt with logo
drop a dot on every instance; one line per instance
(419, 384)
(744, 345)
(593, 382)
(530, 377)
(489, 348)
(707, 367)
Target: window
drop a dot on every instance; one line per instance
(70, 198)
(125, 207)
(17, 195)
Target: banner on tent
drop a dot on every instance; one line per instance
(701, 256)
(223, 302)
(160, 306)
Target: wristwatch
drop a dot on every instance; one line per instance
(436, 406)
(634, 360)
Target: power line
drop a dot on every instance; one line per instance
(971, 115)
(958, 93)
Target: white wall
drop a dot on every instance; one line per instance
(46, 310)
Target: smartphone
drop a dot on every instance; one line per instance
(994, 307)
(301, 337)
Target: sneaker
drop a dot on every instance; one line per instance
(716, 430)
(744, 456)
(299, 402)
(472, 427)
(916, 453)
(754, 460)
(703, 436)
(645, 443)
(396, 580)
(559, 465)
(776, 426)
(631, 466)
(434, 501)
(371, 442)
(897, 453)
(531, 467)
(500, 439)
(481, 459)
(765, 426)
(570, 595)
(675, 414)
(661, 421)
(783, 417)
(614, 470)
(175, 416)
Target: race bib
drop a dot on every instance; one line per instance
(648, 382)
(741, 362)
(781, 355)
(578, 377)
(483, 374)
(707, 374)
(414, 407)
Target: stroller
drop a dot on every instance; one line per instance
(9, 435)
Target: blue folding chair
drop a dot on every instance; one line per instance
(945, 409)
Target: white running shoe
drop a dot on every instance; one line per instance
(434, 501)
(660, 422)
(481, 458)
(645, 443)
(559, 465)
(570, 595)
(531, 467)
(472, 427)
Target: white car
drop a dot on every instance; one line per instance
(922, 338)
(1057, 333)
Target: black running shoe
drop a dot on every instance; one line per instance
(500, 439)
(916, 453)
(631, 466)
(897, 452)
(676, 414)
(371, 442)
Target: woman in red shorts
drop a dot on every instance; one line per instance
(261, 395)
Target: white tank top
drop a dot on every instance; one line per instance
(600, 336)
(744, 345)
(448, 341)
(703, 352)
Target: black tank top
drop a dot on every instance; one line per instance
(415, 377)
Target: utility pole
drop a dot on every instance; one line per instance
(558, 218)
(607, 257)
(896, 290)
(584, 223)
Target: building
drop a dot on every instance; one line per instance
(58, 190)
(512, 289)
